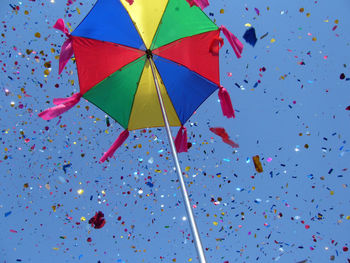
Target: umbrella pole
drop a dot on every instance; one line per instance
(189, 211)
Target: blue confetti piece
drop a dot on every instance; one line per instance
(250, 36)
(8, 213)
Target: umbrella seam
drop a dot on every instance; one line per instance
(186, 66)
(138, 85)
(160, 22)
(156, 34)
(134, 23)
(167, 93)
(121, 45)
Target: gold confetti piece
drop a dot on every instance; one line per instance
(187, 168)
(215, 223)
(331, 192)
(47, 65)
(26, 185)
(336, 21)
(83, 219)
(69, 26)
(46, 72)
(257, 164)
(80, 191)
(55, 248)
(222, 11)
(47, 186)
(273, 40)
(54, 208)
(348, 217)
(78, 10)
(247, 25)
(314, 39)
(301, 10)
(308, 15)
(37, 34)
(26, 12)
(29, 51)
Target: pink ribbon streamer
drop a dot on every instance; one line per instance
(121, 139)
(233, 40)
(200, 3)
(224, 136)
(226, 104)
(63, 105)
(181, 140)
(67, 47)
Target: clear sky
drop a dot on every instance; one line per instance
(293, 115)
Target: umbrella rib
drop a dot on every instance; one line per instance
(128, 65)
(193, 73)
(134, 23)
(175, 42)
(112, 43)
(170, 44)
(133, 101)
(157, 30)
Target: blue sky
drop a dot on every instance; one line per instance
(297, 210)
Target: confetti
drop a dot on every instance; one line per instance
(97, 221)
(257, 164)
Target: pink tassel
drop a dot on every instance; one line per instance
(200, 3)
(216, 45)
(181, 140)
(234, 41)
(67, 47)
(130, 2)
(65, 55)
(122, 137)
(226, 104)
(63, 105)
(61, 26)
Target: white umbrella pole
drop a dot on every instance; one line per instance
(192, 221)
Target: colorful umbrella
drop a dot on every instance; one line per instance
(148, 63)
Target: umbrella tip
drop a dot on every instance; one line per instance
(149, 53)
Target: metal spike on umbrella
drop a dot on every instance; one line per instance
(147, 63)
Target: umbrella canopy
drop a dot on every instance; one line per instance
(115, 74)
(123, 49)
